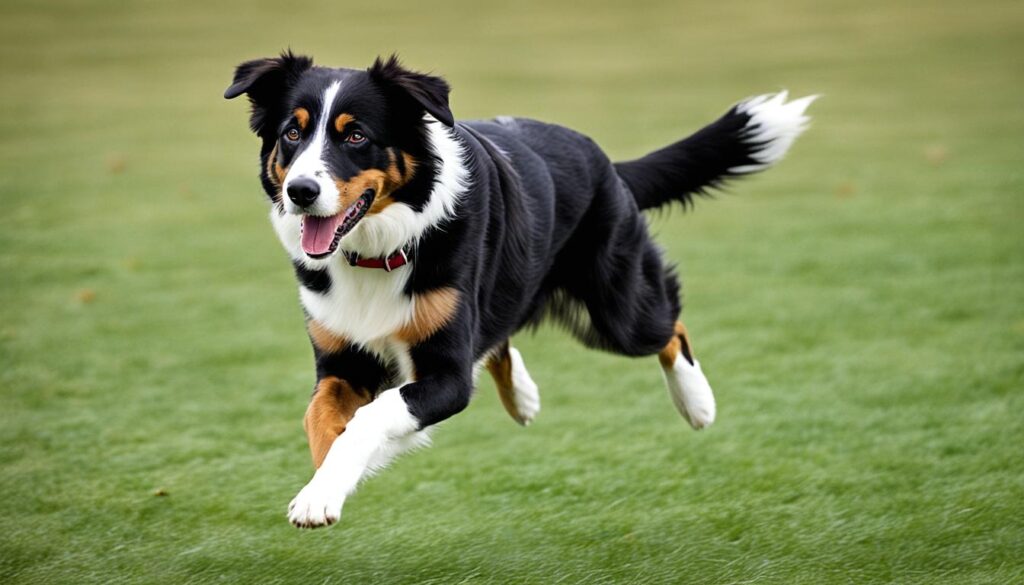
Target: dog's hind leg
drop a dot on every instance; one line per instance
(517, 390)
(687, 385)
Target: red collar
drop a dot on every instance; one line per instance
(399, 258)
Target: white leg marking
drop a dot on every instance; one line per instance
(690, 392)
(524, 390)
(377, 432)
(394, 447)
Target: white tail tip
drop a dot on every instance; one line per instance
(774, 125)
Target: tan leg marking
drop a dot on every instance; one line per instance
(333, 405)
(680, 343)
(500, 367)
(431, 311)
(687, 386)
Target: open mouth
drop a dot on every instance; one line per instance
(320, 235)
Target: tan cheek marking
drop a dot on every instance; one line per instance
(393, 180)
(342, 120)
(324, 339)
(410, 167)
(349, 191)
(392, 174)
(396, 179)
(272, 167)
(383, 182)
(302, 116)
(280, 172)
(329, 412)
(500, 367)
(380, 205)
(431, 311)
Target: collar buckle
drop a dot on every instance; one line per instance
(388, 263)
(399, 255)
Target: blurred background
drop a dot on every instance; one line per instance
(857, 309)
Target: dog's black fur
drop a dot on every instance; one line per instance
(548, 227)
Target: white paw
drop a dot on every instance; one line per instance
(691, 392)
(318, 504)
(527, 401)
(524, 390)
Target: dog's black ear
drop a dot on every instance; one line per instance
(430, 92)
(267, 81)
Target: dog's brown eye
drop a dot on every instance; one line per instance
(292, 135)
(356, 138)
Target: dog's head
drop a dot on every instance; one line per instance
(343, 144)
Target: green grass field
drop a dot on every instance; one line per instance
(859, 310)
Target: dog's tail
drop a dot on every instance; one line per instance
(750, 137)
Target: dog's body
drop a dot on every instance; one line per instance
(480, 228)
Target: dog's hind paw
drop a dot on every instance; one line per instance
(517, 390)
(316, 505)
(525, 395)
(691, 392)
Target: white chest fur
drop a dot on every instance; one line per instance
(362, 305)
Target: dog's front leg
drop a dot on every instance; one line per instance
(385, 419)
(333, 405)
(380, 428)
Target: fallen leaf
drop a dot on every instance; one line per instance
(85, 296)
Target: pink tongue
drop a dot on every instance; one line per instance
(318, 233)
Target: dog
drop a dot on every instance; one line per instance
(422, 244)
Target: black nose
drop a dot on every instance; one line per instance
(303, 192)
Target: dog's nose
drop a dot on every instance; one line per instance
(303, 192)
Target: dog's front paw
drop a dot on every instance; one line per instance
(318, 504)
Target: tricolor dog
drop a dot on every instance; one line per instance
(422, 244)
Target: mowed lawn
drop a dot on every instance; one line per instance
(859, 310)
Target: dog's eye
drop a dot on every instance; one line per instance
(292, 135)
(356, 138)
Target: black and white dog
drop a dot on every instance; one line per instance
(421, 245)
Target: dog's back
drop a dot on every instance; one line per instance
(575, 236)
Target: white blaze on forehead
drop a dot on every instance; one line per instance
(310, 164)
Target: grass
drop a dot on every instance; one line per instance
(858, 309)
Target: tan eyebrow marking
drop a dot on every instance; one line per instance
(302, 115)
(342, 120)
